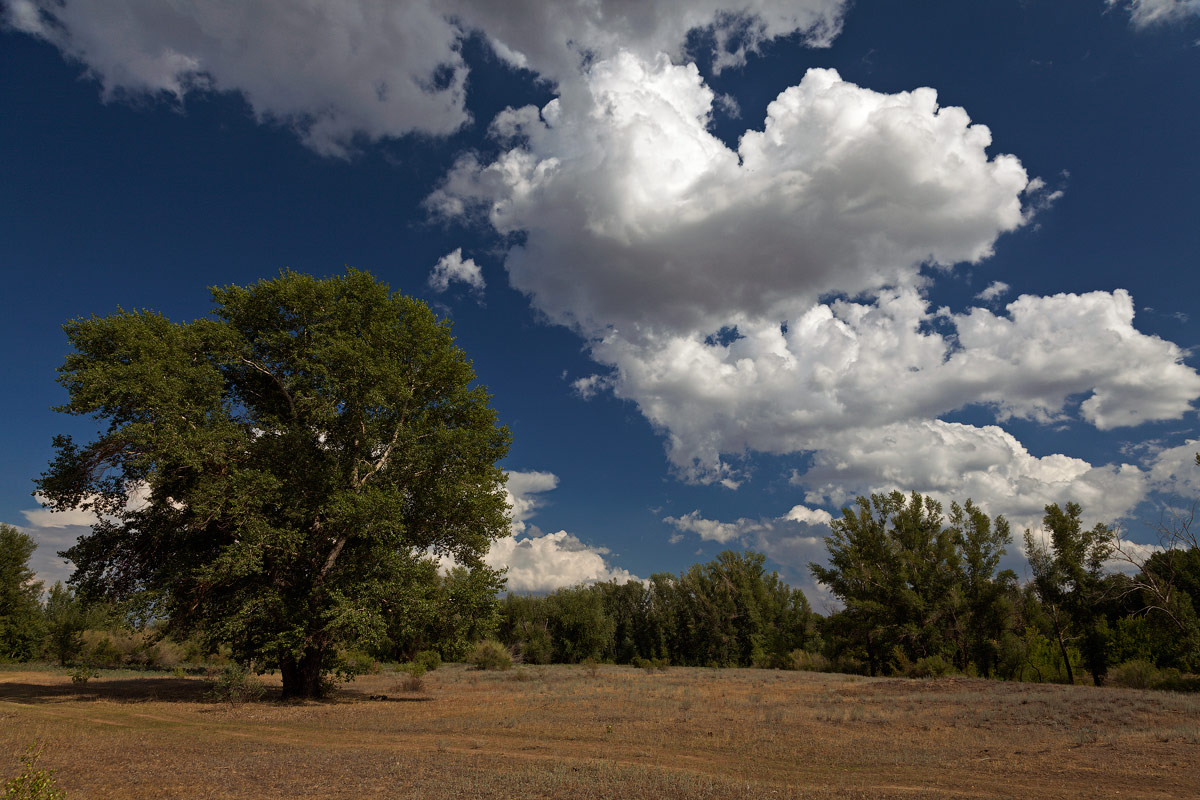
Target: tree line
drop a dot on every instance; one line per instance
(304, 450)
(921, 594)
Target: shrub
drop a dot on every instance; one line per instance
(414, 677)
(236, 685)
(490, 654)
(651, 664)
(1172, 680)
(930, 667)
(82, 674)
(1141, 674)
(1136, 674)
(33, 783)
(536, 645)
(356, 662)
(590, 665)
(166, 654)
(808, 662)
(429, 659)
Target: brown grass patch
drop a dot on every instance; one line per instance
(621, 732)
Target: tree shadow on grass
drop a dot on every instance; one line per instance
(120, 690)
(168, 690)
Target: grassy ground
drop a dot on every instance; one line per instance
(576, 733)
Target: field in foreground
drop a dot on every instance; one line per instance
(549, 732)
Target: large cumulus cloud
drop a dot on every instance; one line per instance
(858, 366)
(370, 69)
(636, 217)
(772, 298)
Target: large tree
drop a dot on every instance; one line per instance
(295, 452)
(913, 587)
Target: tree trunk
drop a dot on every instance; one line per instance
(871, 660)
(1062, 646)
(302, 676)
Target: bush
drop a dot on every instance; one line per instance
(651, 664)
(930, 667)
(33, 783)
(1172, 680)
(236, 685)
(429, 659)
(1141, 674)
(1136, 674)
(355, 662)
(414, 677)
(808, 662)
(82, 674)
(490, 654)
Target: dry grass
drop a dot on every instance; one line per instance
(549, 732)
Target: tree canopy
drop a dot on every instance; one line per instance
(915, 588)
(291, 458)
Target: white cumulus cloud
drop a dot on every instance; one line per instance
(636, 217)
(338, 72)
(453, 268)
(857, 366)
(543, 562)
(994, 291)
(551, 561)
(712, 530)
(699, 275)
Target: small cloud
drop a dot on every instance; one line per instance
(809, 516)
(994, 291)
(710, 530)
(1144, 13)
(453, 268)
(589, 387)
(728, 105)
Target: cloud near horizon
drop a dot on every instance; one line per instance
(543, 562)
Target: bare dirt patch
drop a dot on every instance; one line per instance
(550, 732)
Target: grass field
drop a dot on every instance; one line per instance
(577, 733)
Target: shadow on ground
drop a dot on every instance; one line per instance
(166, 690)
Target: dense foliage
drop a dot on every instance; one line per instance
(727, 612)
(299, 452)
(21, 627)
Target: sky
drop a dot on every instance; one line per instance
(725, 265)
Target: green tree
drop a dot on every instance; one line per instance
(297, 449)
(66, 620)
(983, 609)
(525, 627)
(21, 629)
(579, 627)
(1069, 581)
(444, 613)
(898, 572)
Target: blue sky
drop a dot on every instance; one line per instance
(723, 265)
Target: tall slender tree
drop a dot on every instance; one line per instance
(21, 630)
(1068, 579)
